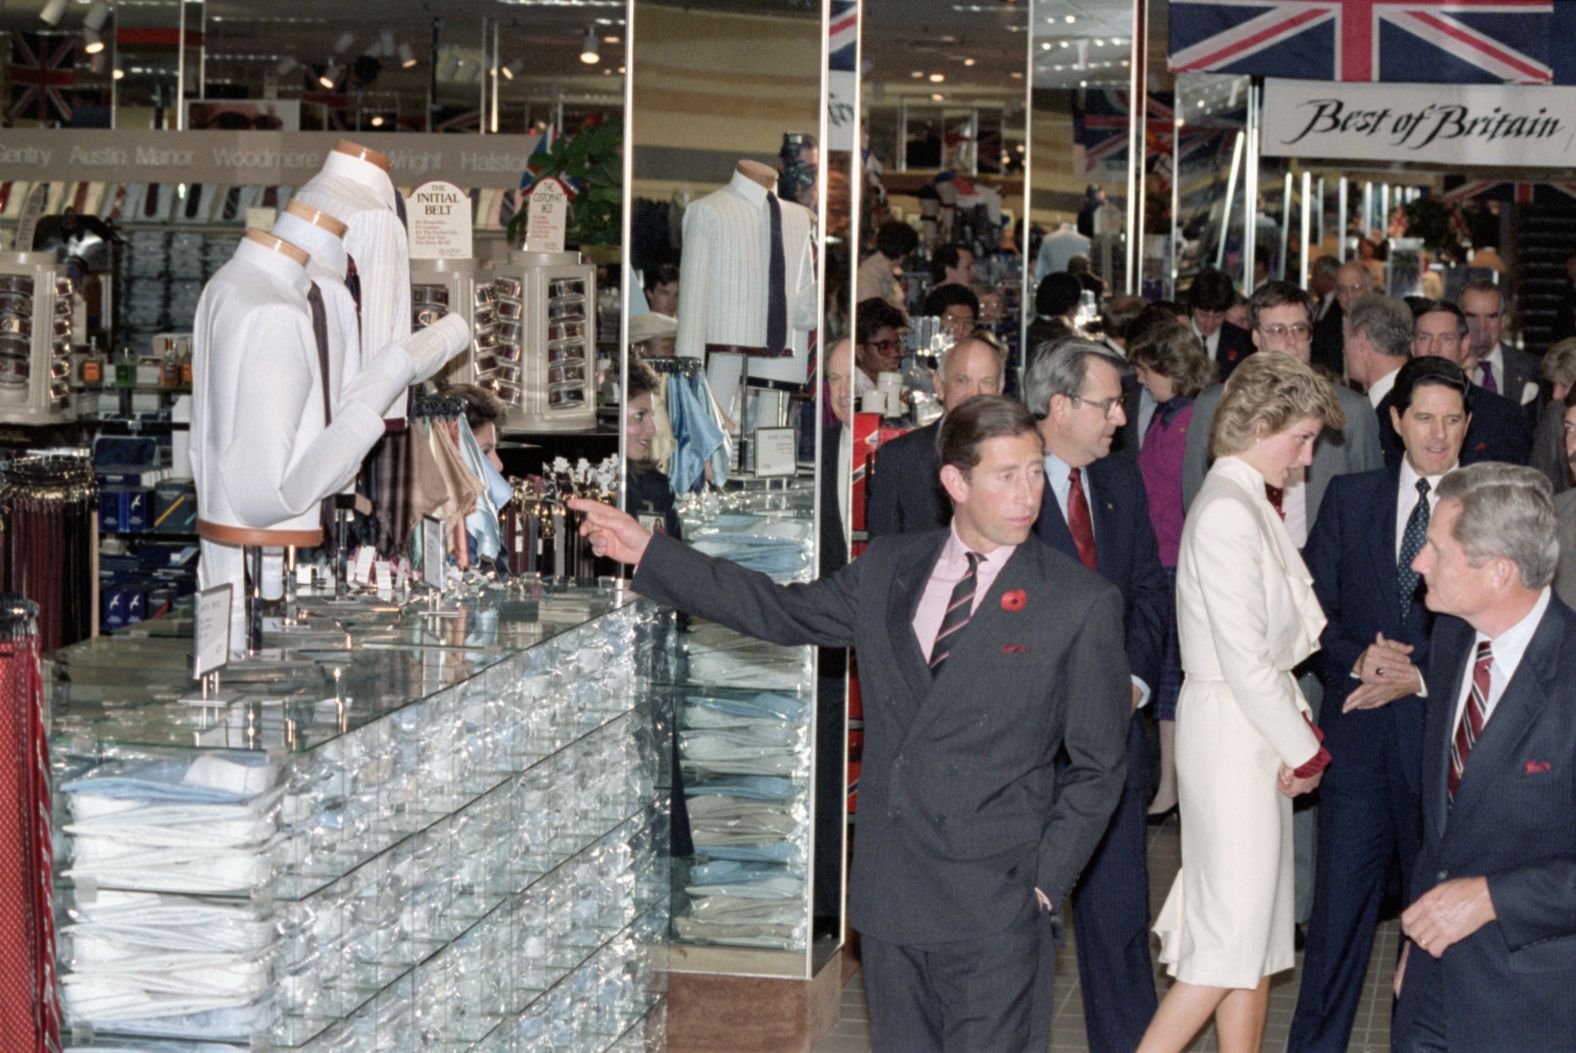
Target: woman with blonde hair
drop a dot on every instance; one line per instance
(1245, 745)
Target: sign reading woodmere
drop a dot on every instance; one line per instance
(1459, 124)
(251, 158)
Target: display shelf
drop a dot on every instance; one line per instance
(439, 835)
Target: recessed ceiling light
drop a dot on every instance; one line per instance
(1016, 74)
(918, 74)
(937, 78)
(936, 96)
(377, 120)
(1070, 19)
(119, 73)
(968, 62)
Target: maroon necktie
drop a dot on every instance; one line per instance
(1473, 716)
(1489, 383)
(1078, 522)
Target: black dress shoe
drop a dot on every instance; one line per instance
(1159, 818)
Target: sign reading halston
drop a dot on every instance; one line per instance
(1462, 124)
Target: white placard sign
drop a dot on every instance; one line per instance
(261, 218)
(776, 452)
(439, 218)
(211, 648)
(842, 89)
(434, 561)
(1460, 124)
(546, 217)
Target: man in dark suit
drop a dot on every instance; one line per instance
(1209, 298)
(1372, 653)
(993, 658)
(1096, 511)
(1494, 364)
(1490, 959)
(1497, 431)
(903, 494)
(1329, 312)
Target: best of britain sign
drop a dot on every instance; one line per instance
(1456, 124)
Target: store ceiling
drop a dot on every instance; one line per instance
(979, 47)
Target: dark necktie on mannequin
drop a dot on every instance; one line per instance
(1489, 384)
(776, 278)
(960, 608)
(1277, 497)
(314, 298)
(1411, 544)
(353, 283)
(1079, 523)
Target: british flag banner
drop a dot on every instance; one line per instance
(1427, 41)
(1101, 120)
(43, 70)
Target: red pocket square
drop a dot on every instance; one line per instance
(1014, 648)
(1536, 767)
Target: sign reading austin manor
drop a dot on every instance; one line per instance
(1459, 124)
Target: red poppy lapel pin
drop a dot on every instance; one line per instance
(1014, 600)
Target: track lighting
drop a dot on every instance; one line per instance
(52, 12)
(97, 15)
(407, 57)
(329, 77)
(590, 52)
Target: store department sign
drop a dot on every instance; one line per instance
(1458, 124)
(250, 157)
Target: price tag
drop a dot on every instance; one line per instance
(212, 646)
(434, 560)
(362, 571)
(547, 217)
(776, 452)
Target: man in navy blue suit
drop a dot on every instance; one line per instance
(1095, 510)
(1374, 647)
(1490, 957)
(1498, 431)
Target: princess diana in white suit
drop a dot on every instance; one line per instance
(1245, 746)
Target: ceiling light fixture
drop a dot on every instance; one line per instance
(286, 65)
(118, 74)
(52, 12)
(377, 120)
(937, 78)
(936, 96)
(329, 77)
(968, 62)
(407, 57)
(918, 74)
(590, 52)
(95, 43)
(1070, 19)
(512, 68)
(97, 15)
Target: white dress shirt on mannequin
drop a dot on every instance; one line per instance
(326, 268)
(261, 455)
(359, 194)
(723, 273)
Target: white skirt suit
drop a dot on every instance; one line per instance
(1246, 616)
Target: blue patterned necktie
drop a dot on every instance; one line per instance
(1411, 545)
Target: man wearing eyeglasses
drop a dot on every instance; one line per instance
(1095, 510)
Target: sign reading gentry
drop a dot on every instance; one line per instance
(1461, 124)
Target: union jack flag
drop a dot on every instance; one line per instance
(844, 33)
(1449, 41)
(41, 68)
(1520, 193)
(1100, 126)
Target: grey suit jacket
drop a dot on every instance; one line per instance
(962, 813)
(1565, 530)
(1354, 449)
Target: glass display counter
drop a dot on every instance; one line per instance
(441, 825)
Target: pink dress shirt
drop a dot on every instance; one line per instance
(950, 569)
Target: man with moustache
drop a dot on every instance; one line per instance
(1372, 652)
(903, 494)
(985, 654)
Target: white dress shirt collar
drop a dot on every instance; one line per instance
(1508, 649)
(1406, 499)
(326, 249)
(748, 189)
(365, 173)
(276, 264)
(1382, 387)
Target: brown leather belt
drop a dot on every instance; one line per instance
(234, 535)
(751, 352)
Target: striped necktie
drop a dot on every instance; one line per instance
(1473, 716)
(960, 608)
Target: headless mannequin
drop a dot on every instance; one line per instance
(355, 188)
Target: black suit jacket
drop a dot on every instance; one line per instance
(1234, 345)
(1329, 340)
(834, 543)
(1509, 985)
(1126, 555)
(903, 495)
(1496, 433)
(961, 811)
(1351, 553)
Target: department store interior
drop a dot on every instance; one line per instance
(383, 756)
